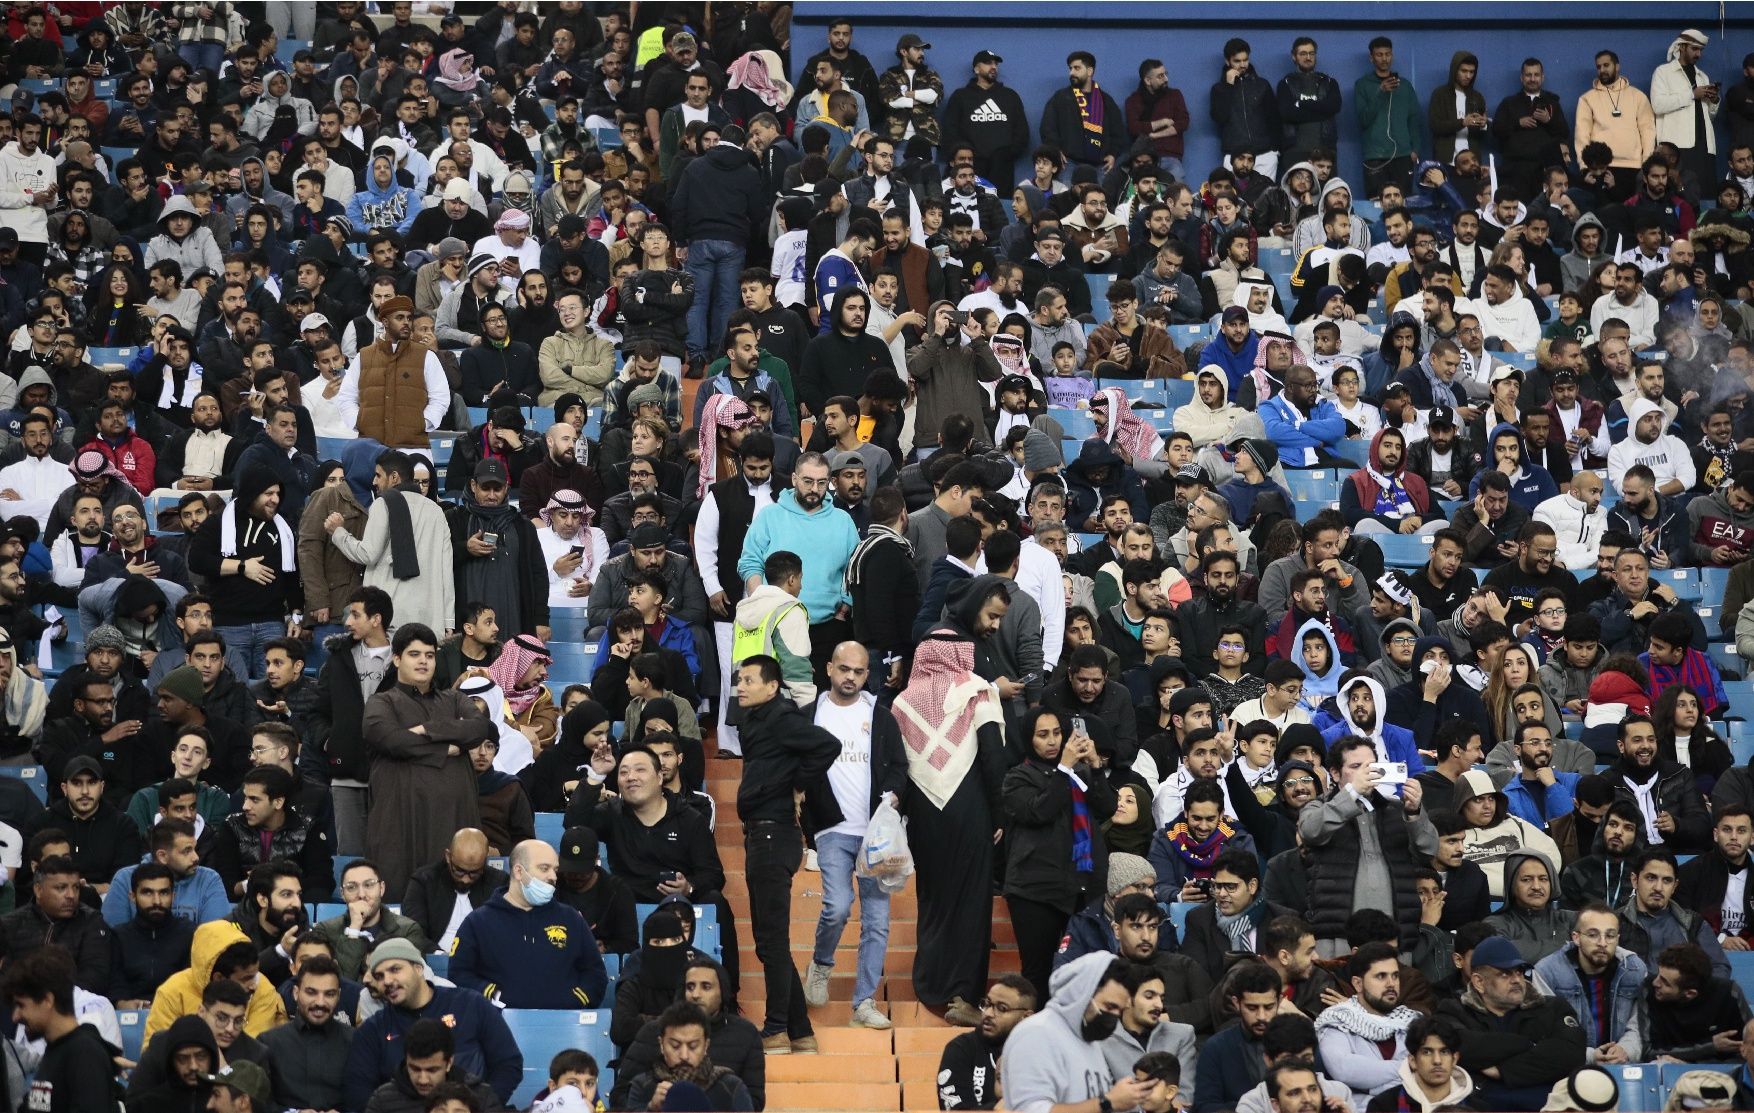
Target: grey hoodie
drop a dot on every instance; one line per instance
(1047, 1061)
(1574, 266)
(241, 201)
(1539, 933)
(1384, 670)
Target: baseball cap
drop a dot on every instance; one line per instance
(909, 40)
(1013, 382)
(1505, 371)
(84, 763)
(1562, 375)
(1440, 415)
(248, 1079)
(986, 56)
(490, 471)
(648, 535)
(313, 321)
(1235, 313)
(1500, 954)
(578, 850)
(1192, 473)
(841, 461)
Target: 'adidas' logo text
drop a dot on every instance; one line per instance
(988, 113)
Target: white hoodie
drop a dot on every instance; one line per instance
(1580, 533)
(1666, 456)
(21, 177)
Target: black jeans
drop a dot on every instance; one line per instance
(1390, 171)
(1039, 928)
(773, 853)
(824, 636)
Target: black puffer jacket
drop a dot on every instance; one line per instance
(1246, 112)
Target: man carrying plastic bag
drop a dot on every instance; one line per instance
(867, 779)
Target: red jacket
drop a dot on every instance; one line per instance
(134, 458)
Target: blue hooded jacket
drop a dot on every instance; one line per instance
(825, 539)
(1530, 486)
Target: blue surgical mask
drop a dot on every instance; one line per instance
(538, 892)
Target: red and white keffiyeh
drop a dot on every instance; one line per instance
(940, 714)
(509, 667)
(722, 412)
(1126, 428)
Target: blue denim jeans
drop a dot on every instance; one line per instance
(318, 653)
(246, 648)
(837, 855)
(202, 56)
(714, 265)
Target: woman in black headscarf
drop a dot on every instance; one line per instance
(556, 772)
(1055, 856)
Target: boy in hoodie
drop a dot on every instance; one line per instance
(1209, 418)
(1431, 1076)
(1056, 1056)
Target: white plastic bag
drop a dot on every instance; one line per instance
(884, 855)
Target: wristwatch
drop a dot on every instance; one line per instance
(1105, 1105)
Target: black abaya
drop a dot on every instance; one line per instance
(953, 862)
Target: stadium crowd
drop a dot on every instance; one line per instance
(431, 425)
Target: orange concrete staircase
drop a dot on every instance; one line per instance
(858, 1068)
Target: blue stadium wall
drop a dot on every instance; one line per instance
(1034, 39)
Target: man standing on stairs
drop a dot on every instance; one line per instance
(784, 756)
(870, 766)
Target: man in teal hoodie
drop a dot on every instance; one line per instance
(802, 521)
(1390, 120)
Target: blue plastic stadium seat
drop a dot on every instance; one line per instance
(550, 826)
(1403, 550)
(541, 1034)
(439, 964)
(1178, 915)
(1357, 451)
(1183, 335)
(40, 85)
(1077, 425)
(341, 863)
(32, 776)
(133, 1025)
(573, 663)
(97, 357)
(568, 624)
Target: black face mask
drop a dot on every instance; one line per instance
(1099, 1027)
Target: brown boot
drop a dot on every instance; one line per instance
(776, 1044)
(962, 1014)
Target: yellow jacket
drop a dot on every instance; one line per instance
(180, 995)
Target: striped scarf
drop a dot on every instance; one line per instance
(1082, 862)
(1693, 673)
(1199, 854)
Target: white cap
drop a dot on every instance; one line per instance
(313, 321)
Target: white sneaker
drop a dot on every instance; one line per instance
(816, 985)
(867, 1015)
(810, 862)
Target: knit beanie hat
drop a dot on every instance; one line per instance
(105, 637)
(1040, 452)
(394, 949)
(1125, 870)
(184, 682)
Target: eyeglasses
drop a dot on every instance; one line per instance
(1227, 886)
(1551, 612)
(1298, 781)
(1232, 645)
(998, 1008)
(1596, 935)
(1403, 640)
(362, 886)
